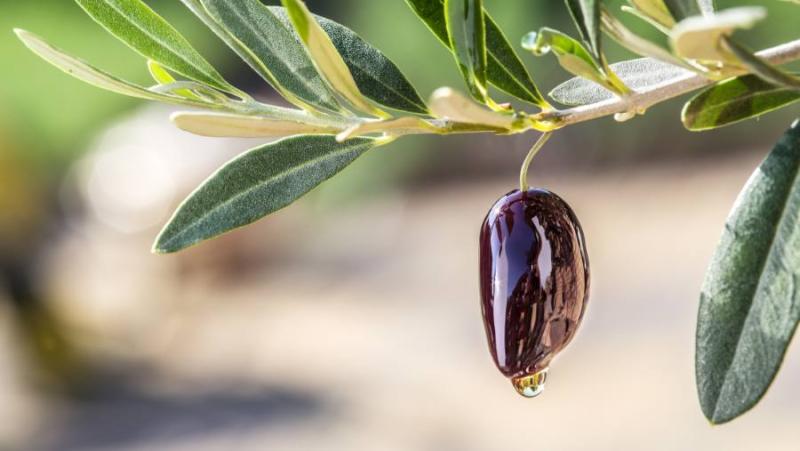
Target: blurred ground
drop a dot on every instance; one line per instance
(360, 328)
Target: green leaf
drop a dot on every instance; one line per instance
(655, 10)
(572, 56)
(377, 77)
(642, 75)
(700, 37)
(733, 101)
(504, 68)
(242, 126)
(681, 9)
(407, 125)
(162, 76)
(85, 72)
(466, 32)
(255, 184)
(138, 26)
(750, 302)
(639, 45)
(449, 104)
(586, 15)
(326, 57)
(706, 6)
(268, 46)
(761, 67)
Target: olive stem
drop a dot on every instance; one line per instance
(777, 55)
(523, 173)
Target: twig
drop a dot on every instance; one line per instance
(643, 100)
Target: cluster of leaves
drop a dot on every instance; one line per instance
(349, 98)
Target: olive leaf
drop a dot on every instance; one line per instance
(700, 37)
(326, 57)
(762, 68)
(706, 6)
(466, 32)
(269, 47)
(85, 72)
(376, 75)
(407, 125)
(735, 100)
(243, 126)
(255, 184)
(750, 302)
(449, 104)
(162, 76)
(654, 10)
(637, 44)
(572, 56)
(138, 26)
(586, 15)
(682, 9)
(641, 74)
(504, 68)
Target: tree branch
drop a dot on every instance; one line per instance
(641, 100)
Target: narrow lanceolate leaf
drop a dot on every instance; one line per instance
(159, 73)
(637, 44)
(269, 47)
(466, 32)
(750, 303)
(326, 57)
(700, 37)
(163, 77)
(449, 104)
(681, 9)
(96, 77)
(255, 184)
(655, 10)
(504, 68)
(377, 77)
(138, 26)
(706, 6)
(572, 56)
(641, 75)
(761, 67)
(735, 100)
(241, 126)
(407, 125)
(586, 15)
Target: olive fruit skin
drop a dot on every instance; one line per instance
(534, 282)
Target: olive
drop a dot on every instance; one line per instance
(534, 282)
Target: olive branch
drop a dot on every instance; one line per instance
(349, 98)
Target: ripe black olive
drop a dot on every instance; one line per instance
(534, 281)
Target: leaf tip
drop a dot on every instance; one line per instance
(177, 118)
(25, 36)
(159, 246)
(164, 245)
(166, 242)
(158, 251)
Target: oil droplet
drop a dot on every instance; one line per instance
(534, 42)
(530, 386)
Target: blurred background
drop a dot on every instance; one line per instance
(349, 320)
